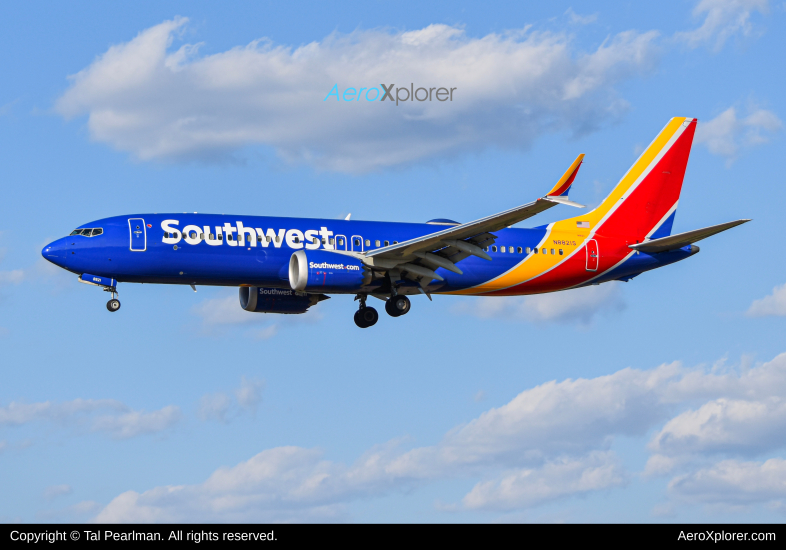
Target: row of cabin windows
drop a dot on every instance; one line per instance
(92, 232)
(356, 242)
(519, 250)
(230, 237)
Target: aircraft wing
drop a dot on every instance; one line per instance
(446, 247)
(673, 242)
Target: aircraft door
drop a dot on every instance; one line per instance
(592, 255)
(340, 242)
(138, 233)
(357, 243)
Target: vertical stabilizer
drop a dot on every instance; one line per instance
(644, 202)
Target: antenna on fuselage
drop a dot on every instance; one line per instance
(348, 215)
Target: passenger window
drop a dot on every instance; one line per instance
(202, 236)
(502, 249)
(529, 250)
(560, 252)
(220, 236)
(278, 239)
(535, 250)
(329, 240)
(486, 249)
(376, 244)
(323, 241)
(387, 243)
(368, 242)
(341, 242)
(519, 250)
(97, 231)
(395, 242)
(230, 237)
(357, 242)
(259, 239)
(212, 237)
(314, 241)
(552, 251)
(493, 248)
(544, 251)
(297, 239)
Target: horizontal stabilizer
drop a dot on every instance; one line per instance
(683, 239)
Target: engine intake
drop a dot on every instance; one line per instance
(326, 271)
(277, 300)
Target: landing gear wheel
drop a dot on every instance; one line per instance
(113, 304)
(397, 305)
(366, 317)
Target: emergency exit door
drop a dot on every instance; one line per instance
(138, 233)
(592, 255)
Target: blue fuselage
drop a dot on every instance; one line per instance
(229, 250)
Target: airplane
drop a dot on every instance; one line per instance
(288, 265)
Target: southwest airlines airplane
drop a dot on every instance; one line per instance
(287, 265)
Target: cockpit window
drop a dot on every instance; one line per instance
(89, 232)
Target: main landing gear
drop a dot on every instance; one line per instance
(113, 304)
(397, 305)
(365, 316)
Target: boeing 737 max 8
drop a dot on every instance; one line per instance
(287, 265)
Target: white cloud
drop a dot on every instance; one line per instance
(133, 423)
(220, 314)
(249, 394)
(722, 20)
(739, 426)
(226, 311)
(726, 134)
(530, 487)
(54, 491)
(221, 407)
(734, 482)
(215, 406)
(100, 415)
(771, 305)
(579, 305)
(549, 442)
(15, 276)
(577, 19)
(511, 88)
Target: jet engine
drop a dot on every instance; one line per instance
(277, 300)
(326, 271)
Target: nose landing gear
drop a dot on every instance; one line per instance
(113, 304)
(365, 316)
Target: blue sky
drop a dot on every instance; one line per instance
(661, 399)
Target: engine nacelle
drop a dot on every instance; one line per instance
(326, 271)
(277, 300)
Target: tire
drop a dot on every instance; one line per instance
(398, 305)
(366, 317)
(113, 305)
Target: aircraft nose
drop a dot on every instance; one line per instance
(55, 252)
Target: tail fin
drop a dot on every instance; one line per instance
(644, 202)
